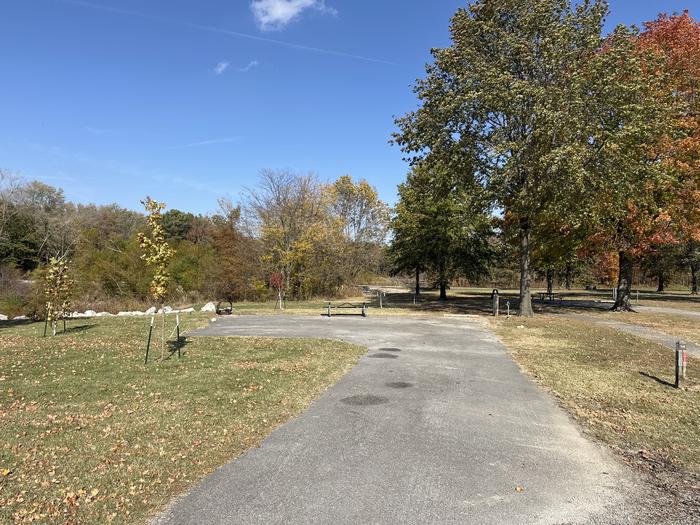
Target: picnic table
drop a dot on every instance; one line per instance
(346, 306)
(550, 296)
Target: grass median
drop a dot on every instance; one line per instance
(618, 386)
(91, 435)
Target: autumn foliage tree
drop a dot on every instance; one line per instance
(676, 39)
(236, 269)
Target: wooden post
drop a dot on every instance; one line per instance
(380, 299)
(681, 363)
(329, 309)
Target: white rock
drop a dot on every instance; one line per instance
(124, 314)
(150, 311)
(209, 307)
(20, 318)
(90, 313)
(166, 309)
(187, 311)
(3, 317)
(104, 314)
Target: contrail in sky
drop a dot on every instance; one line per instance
(204, 143)
(220, 30)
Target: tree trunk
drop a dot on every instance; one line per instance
(694, 279)
(662, 283)
(569, 277)
(525, 298)
(417, 281)
(550, 281)
(624, 284)
(442, 281)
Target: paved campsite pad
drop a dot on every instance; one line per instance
(448, 431)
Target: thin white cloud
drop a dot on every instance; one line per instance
(219, 30)
(101, 131)
(221, 67)
(204, 143)
(273, 15)
(251, 65)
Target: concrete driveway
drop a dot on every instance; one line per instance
(436, 424)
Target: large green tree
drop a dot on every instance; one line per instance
(441, 225)
(510, 94)
(543, 107)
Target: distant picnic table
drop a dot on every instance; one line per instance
(346, 306)
(550, 296)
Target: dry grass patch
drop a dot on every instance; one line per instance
(617, 385)
(90, 435)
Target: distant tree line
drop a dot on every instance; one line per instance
(320, 237)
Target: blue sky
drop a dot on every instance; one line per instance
(186, 100)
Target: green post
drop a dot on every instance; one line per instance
(148, 344)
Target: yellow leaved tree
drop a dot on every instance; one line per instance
(58, 286)
(157, 254)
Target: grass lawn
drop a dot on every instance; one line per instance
(616, 385)
(88, 434)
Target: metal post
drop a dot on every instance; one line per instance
(414, 299)
(508, 309)
(495, 304)
(148, 344)
(177, 328)
(364, 310)
(329, 309)
(681, 362)
(637, 297)
(380, 299)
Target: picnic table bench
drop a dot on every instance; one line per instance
(346, 306)
(550, 296)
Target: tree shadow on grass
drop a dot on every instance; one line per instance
(14, 324)
(477, 302)
(77, 329)
(657, 379)
(176, 348)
